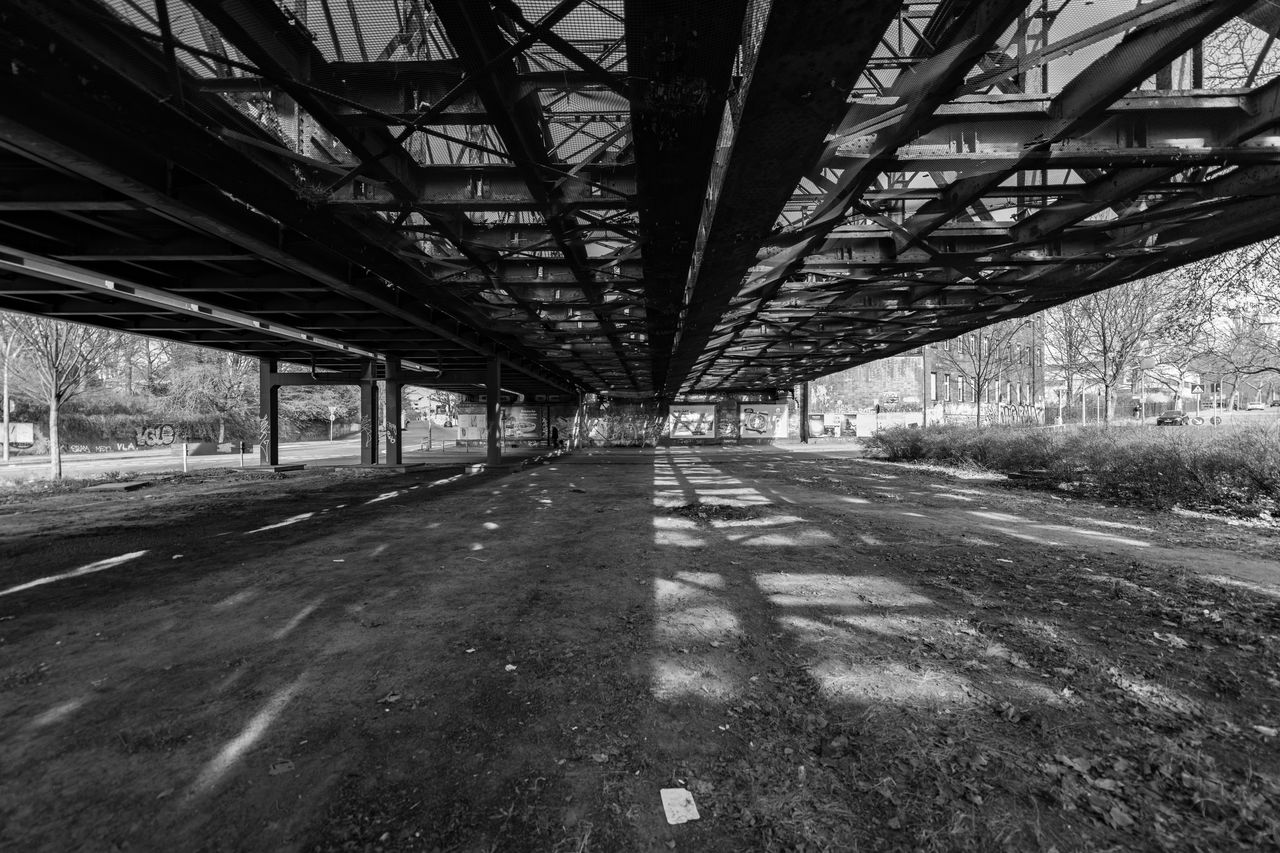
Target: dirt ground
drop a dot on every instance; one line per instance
(828, 653)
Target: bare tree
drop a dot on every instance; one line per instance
(435, 401)
(1244, 345)
(58, 361)
(9, 350)
(1236, 330)
(1124, 325)
(1064, 345)
(208, 382)
(1237, 55)
(983, 357)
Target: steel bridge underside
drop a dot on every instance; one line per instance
(638, 198)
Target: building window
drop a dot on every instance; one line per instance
(933, 387)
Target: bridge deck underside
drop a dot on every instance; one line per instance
(642, 198)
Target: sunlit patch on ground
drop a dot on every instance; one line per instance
(253, 731)
(297, 619)
(685, 677)
(288, 521)
(59, 712)
(1101, 522)
(890, 681)
(765, 521)
(235, 599)
(676, 532)
(1052, 534)
(91, 568)
(691, 613)
(787, 589)
(852, 630)
(694, 624)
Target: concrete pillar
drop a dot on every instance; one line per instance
(369, 432)
(393, 411)
(926, 386)
(493, 411)
(268, 413)
(804, 413)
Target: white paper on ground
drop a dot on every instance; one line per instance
(678, 804)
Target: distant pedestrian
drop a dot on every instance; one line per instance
(555, 436)
(1137, 411)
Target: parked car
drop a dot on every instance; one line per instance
(1256, 406)
(1173, 417)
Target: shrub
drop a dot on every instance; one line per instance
(1237, 469)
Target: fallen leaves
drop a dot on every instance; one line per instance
(1171, 640)
(708, 512)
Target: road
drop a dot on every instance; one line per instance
(85, 465)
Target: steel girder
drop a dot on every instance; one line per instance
(890, 241)
(638, 197)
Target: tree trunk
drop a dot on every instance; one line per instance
(222, 431)
(55, 451)
(4, 403)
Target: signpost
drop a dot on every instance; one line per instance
(333, 415)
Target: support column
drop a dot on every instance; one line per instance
(581, 423)
(493, 411)
(926, 385)
(392, 428)
(804, 413)
(369, 432)
(268, 413)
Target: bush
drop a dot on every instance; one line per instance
(1237, 469)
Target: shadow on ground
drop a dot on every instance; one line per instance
(523, 662)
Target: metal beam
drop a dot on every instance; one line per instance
(516, 113)
(1081, 105)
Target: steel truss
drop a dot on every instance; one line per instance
(643, 198)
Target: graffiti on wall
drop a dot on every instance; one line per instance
(727, 419)
(692, 421)
(99, 448)
(155, 435)
(763, 421)
(264, 432)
